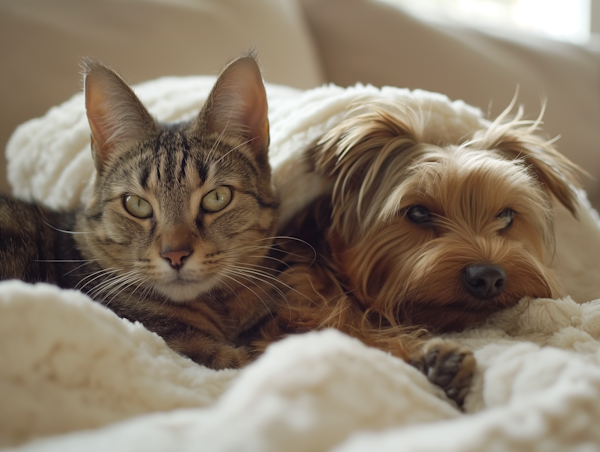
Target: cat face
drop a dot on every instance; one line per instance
(179, 210)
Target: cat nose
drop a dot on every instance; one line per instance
(484, 281)
(176, 258)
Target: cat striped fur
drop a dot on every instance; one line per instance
(179, 229)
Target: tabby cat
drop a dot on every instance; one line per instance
(180, 221)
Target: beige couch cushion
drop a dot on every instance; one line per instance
(42, 41)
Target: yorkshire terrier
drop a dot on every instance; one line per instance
(413, 234)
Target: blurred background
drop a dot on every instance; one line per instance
(480, 51)
(567, 20)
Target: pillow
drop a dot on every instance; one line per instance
(42, 41)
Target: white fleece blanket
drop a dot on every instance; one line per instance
(75, 377)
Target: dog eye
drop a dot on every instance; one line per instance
(507, 215)
(420, 215)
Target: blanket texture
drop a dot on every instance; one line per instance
(74, 376)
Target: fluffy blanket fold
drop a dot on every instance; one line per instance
(73, 376)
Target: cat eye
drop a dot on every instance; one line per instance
(507, 215)
(217, 199)
(138, 207)
(420, 215)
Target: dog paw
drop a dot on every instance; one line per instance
(448, 365)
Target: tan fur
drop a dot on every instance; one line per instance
(317, 296)
(382, 271)
(379, 276)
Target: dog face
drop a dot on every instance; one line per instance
(443, 236)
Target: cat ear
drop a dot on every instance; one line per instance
(115, 114)
(237, 104)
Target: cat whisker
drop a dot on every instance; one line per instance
(119, 281)
(219, 283)
(278, 290)
(146, 293)
(108, 284)
(216, 143)
(262, 276)
(285, 264)
(64, 260)
(135, 259)
(251, 271)
(266, 275)
(274, 246)
(66, 232)
(211, 292)
(127, 284)
(142, 281)
(79, 266)
(254, 241)
(266, 256)
(253, 277)
(139, 279)
(97, 274)
(238, 146)
(243, 251)
(60, 261)
(123, 285)
(248, 264)
(304, 242)
(227, 275)
(276, 260)
(295, 239)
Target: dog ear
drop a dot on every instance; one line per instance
(356, 151)
(558, 175)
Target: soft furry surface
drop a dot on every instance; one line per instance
(68, 364)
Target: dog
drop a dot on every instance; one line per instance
(416, 238)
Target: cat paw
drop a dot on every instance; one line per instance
(228, 357)
(213, 355)
(448, 365)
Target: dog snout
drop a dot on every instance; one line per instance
(484, 281)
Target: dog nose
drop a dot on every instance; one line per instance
(176, 257)
(484, 281)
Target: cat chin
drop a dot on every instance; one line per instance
(181, 292)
